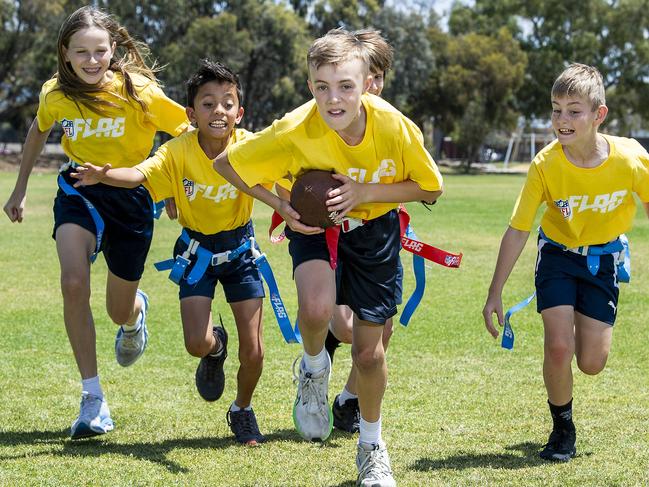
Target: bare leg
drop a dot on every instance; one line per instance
(247, 315)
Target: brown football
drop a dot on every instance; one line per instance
(308, 197)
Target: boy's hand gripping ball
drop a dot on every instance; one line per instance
(308, 197)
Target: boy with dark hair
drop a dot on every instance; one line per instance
(586, 180)
(379, 157)
(216, 219)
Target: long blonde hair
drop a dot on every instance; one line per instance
(130, 57)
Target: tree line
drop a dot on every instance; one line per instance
(492, 63)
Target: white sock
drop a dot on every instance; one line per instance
(314, 363)
(135, 326)
(345, 395)
(219, 346)
(92, 386)
(234, 408)
(370, 433)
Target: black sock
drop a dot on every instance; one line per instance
(331, 344)
(562, 416)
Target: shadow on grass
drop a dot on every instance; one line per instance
(528, 456)
(155, 452)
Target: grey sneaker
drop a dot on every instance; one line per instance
(129, 346)
(374, 466)
(94, 418)
(311, 414)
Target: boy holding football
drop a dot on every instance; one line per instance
(379, 157)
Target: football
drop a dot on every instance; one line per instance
(308, 197)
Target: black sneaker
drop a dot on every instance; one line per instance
(331, 344)
(210, 379)
(244, 426)
(346, 417)
(560, 446)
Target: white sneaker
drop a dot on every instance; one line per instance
(374, 466)
(94, 418)
(129, 346)
(311, 413)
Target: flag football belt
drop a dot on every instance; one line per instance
(205, 258)
(70, 190)
(592, 253)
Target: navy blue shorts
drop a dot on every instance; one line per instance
(128, 220)
(240, 278)
(562, 278)
(369, 274)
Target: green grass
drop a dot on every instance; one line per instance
(458, 410)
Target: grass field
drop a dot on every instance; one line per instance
(459, 410)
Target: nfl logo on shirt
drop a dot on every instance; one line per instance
(564, 207)
(68, 127)
(189, 187)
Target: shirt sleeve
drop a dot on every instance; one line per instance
(528, 202)
(262, 158)
(167, 115)
(157, 171)
(419, 164)
(45, 118)
(641, 175)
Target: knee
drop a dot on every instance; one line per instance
(315, 314)
(252, 358)
(368, 359)
(75, 286)
(559, 352)
(197, 346)
(591, 365)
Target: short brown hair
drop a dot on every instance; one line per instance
(380, 52)
(337, 46)
(583, 81)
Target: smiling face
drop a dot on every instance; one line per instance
(216, 110)
(89, 53)
(337, 89)
(574, 121)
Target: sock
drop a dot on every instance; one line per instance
(131, 328)
(345, 395)
(562, 416)
(313, 363)
(219, 345)
(234, 408)
(370, 433)
(331, 344)
(92, 386)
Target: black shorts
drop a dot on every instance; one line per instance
(128, 220)
(240, 278)
(369, 273)
(562, 278)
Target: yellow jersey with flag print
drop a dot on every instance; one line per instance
(392, 150)
(206, 202)
(585, 206)
(123, 135)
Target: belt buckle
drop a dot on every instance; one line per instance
(349, 224)
(220, 258)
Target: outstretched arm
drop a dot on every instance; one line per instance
(345, 198)
(511, 247)
(291, 217)
(123, 177)
(34, 144)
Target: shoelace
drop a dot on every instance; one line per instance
(375, 465)
(90, 407)
(130, 340)
(245, 424)
(311, 391)
(211, 364)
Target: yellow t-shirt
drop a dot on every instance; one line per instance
(123, 136)
(585, 206)
(206, 202)
(391, 151)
